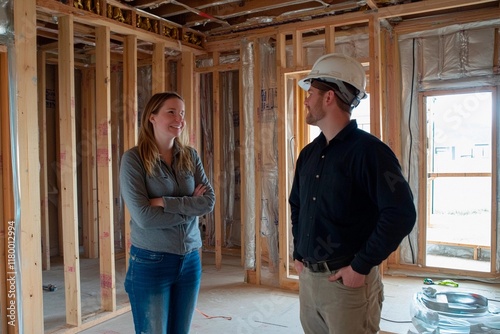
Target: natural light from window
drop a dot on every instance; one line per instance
(361, 114)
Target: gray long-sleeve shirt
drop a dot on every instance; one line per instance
(174, 228)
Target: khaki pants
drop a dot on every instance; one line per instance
(332, 308)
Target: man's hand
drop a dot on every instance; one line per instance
(349, 277)
(299, 266)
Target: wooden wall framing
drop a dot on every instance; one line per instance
(99, 209)
(384, 72)
(97, 125)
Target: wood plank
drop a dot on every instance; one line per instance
(28, 227)
(494, 178)
(390, 82)
(89, 167)
(422, 184)
(104, 170)
(428, 6)
(130, 114)
(434, 22)
(187, 91)
(374, 76)
(283, 148)
(218, 214)
(68, 170)
(330, 39)
(158, 68)
(44, 194)
(298, 50)
(57, 8)
(6, 195)
(241, 163)
(258, 161)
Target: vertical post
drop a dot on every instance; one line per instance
(217, 119)
(130, 114)
(158, 68)
(67, 163)
(44, 194)
(104, 170)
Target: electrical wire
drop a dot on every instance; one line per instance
(397, 321)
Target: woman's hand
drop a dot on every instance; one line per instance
(199, 190)
(156, 201)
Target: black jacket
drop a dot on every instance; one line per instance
(349, 198)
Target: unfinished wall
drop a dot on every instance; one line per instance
(450, 58)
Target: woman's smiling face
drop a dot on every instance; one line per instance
(169, 122)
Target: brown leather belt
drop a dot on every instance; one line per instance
(330, 265)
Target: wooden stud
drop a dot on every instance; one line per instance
(6, 195)
(44, 194)
(283, 207)
(496, 52)
(158, 68)
(494, 177)
(422, 188)
(374, 74)
(298, 50)
(104, 170)
(242, 164)
(258, 161)
(52, 7)
(130, 114)
(67, 162)
(29, 237)
(218, 214)
(89, 167)
(187, 91)
(330, 39)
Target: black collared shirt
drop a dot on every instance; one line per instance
(349, 197)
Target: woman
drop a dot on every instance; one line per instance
(165, 189)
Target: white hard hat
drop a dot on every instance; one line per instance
(338, 68)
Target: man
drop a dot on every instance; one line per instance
(350, 206)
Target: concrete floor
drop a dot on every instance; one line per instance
(228, 305)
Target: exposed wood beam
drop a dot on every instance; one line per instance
(248, 9)
(57, 8)
(427, 6)
(444, 20)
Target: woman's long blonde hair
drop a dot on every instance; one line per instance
(148, 150)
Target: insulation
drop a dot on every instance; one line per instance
(455, 57)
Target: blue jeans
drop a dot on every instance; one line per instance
(163, 290)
